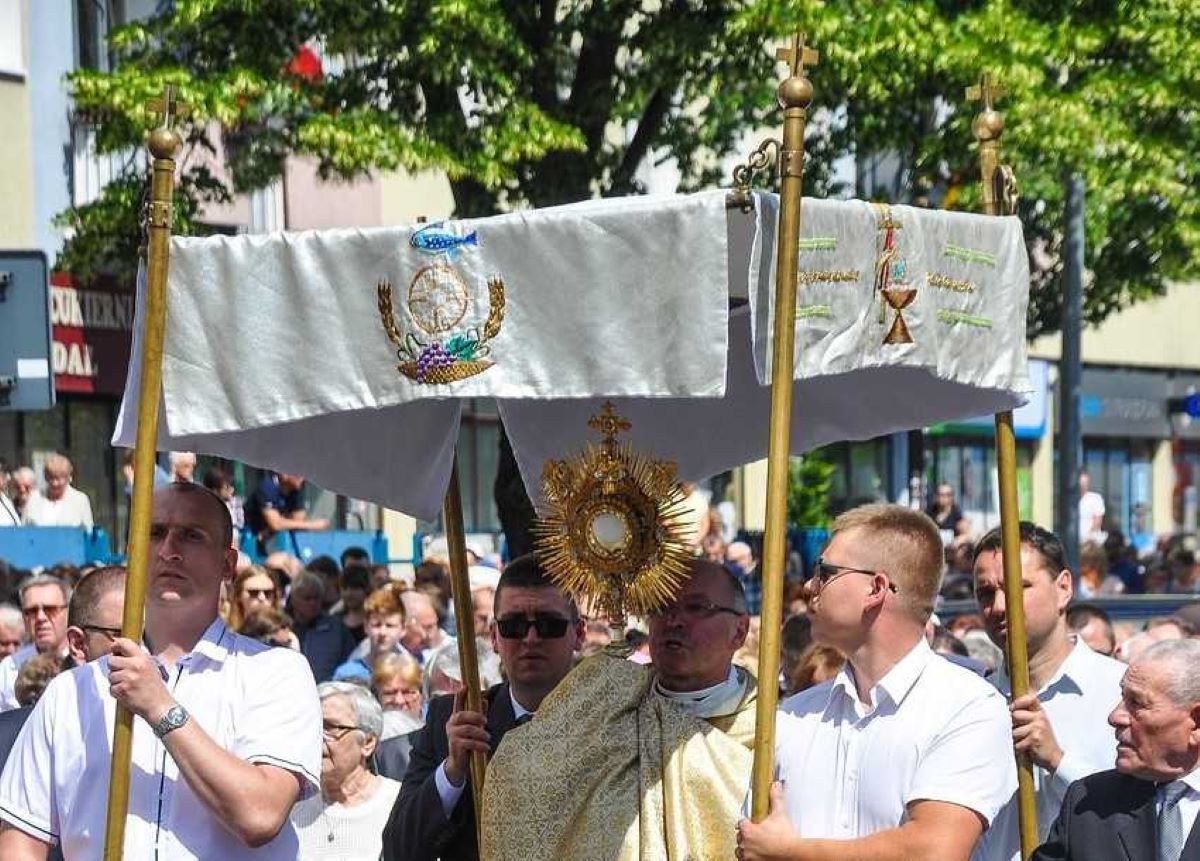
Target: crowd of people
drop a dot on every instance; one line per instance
(315, 711)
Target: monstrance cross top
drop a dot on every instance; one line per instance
(608, 423)
(798, 56)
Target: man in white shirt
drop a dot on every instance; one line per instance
(903, 755)
(1076, 688)
(227, 731)
(44, 601)
(61, 504)
(1146, 807)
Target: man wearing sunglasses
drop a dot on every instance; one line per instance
(93, 623)
(44, 600)
(537, 632)
(659, 744)
(902, 755)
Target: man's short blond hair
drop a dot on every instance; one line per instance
(57, 463)
(906, 545)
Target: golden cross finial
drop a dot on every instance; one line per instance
(985, 91)
(608, 422)
(798, 56)
(168, 108)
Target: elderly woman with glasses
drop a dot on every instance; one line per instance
(345, 820)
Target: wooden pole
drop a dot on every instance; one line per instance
(464, 619)
(795, 95)
(999, 199)
(163, 143)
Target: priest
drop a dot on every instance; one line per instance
(624, 761)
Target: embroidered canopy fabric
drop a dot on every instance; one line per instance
(344, 354)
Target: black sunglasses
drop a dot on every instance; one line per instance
(827, 571)
(547, 627)
(111, 633)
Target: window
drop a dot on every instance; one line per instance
(12, 31)
(1120, 471)
(94, 20)
(860, 473)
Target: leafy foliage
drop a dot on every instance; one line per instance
(809, 479)
(537, 102)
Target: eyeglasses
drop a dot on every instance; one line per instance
(111, 633)
(52, 611)
(264, 594)
(827, 572)
(547, 627)
(694, 609)
(336, 731)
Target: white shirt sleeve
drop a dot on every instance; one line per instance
(8, 681)
(447, 791)
(27, 783)
(280, 720)
(971, 762)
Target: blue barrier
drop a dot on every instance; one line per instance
(306, 546)
(43, 546)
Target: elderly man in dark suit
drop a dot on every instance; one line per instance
(537, 632)
(1146, 808)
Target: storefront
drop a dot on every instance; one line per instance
(963, 455)
(91, 332)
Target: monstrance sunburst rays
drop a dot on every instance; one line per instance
(614, 534)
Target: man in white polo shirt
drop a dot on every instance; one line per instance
(903, 755)
(1064, 726)
(227, 734)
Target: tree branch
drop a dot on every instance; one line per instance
(648, 128)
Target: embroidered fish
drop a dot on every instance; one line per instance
(433, 241)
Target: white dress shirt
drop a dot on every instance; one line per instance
(73, 508)
(934, 731)
(1077, 699)
(9, 668)
(257, 702)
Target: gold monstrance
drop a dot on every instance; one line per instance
(614, 535)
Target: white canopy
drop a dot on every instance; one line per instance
(278, 351)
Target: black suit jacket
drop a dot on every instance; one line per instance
(418, 829)
(1109, 816)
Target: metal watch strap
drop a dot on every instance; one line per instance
(175, 717)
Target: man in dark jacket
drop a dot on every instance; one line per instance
(324, 640)
(537, 632)
(1146, 807)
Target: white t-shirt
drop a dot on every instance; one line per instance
(1091, 505)
(340, 833)
(73, 508)
(936, 732)
(1077, 700)
(9, 668)
(259, 703)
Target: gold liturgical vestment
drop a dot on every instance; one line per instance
(610, 770)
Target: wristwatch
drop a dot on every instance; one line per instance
(175, 717)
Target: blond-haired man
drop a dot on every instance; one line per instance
(903, 754)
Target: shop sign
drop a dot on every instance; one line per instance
(91, 330)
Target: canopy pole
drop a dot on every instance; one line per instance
(795, 94)
(464, 619)
(999, 198)
(163, 142)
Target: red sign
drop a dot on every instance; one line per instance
(91, 330)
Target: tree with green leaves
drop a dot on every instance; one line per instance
(537, 102)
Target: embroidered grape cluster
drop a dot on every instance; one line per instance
(432, 358)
